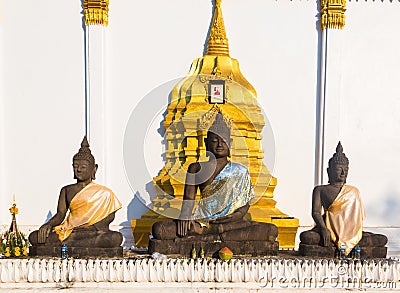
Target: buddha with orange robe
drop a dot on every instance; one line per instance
(85, 210)
(341, 225)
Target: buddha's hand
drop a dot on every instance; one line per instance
(222, 220)
(43, 233)
(326, 236)
(183, 227)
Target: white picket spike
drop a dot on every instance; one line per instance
(4, 272)
(198, 268)
(83, 271)
(90, 270)
(15, 272)
(36, 271)
(77, 266)
(225, 270)
(97, 272)
(30, 270)
(138, 271)
(211, 270)
(50, 270)
(126, 277)
(110, 272)
(152, 273)
(173, 268)
(204, 271)
(43, 271)
(57, 271)
(247, 271)
(24, 270)
(158, 270)
(190, 271)
(180, 271)
(143, 271)
(165, 273)
(104, 271)
(118, 267)
(132, 269)
(118, 270)
(218, 272)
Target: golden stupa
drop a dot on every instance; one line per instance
(188, 116)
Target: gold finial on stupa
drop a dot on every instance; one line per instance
(217, 43)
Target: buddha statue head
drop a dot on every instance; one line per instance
(338, 166)
(218, 140)
(84, 164)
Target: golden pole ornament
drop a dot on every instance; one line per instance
(95, 12)
(332, 14)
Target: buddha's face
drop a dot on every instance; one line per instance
(217, 145)
(83, 170)
(338, 173)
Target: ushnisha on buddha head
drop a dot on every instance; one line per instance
(338, 166)
(84, 164)
(218, 140)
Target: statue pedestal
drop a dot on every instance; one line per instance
(317, 251)
(75, 252)
(329, 251)
(263, 211)
(211, 247)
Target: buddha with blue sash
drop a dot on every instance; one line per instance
(225, 194)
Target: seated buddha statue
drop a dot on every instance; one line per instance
(341, 226)
(85, 210)
(219, 216)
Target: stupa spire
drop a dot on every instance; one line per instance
(217, 43)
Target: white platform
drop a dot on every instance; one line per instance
(182, 275)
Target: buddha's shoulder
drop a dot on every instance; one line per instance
(69, 187)
(100, 187)
(351, 187)
(321, 187)
(75, 186)
(238, 166)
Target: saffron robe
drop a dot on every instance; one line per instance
(344, 218)
(89, 206)
(230, 190)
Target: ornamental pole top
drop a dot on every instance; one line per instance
(217, 43)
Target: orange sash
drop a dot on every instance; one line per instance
(344, 218)
(89, 206)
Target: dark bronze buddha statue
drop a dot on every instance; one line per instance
(84, 212)
(341, 225)
(218, 219)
